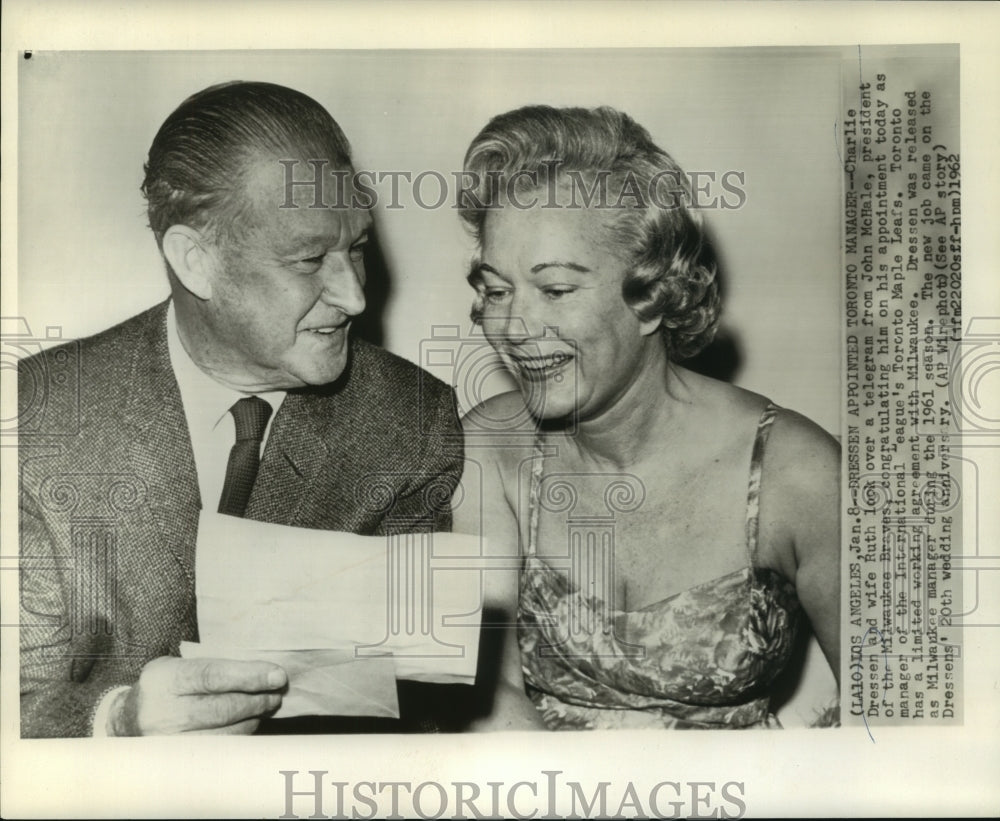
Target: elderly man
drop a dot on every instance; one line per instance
(245, 393)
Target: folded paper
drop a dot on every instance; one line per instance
(344, 611)
(321, 682)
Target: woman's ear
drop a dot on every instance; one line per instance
(191, 258)
(650, 326)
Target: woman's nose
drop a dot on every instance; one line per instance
(524, 321)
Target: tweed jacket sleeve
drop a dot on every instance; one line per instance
(108, 507)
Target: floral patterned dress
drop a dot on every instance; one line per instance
(702, 658)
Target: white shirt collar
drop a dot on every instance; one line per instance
(206, 408)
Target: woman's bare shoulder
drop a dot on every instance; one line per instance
(500, 431)
(800, 487)
(801, 449)
(799, 497)
(795, 441)
(723, 411)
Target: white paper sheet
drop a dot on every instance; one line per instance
(378, 608)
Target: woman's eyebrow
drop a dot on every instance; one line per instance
(572, 266)
(541, 266)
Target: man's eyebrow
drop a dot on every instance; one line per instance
(313, 239)
(324, 239)
(479, 267)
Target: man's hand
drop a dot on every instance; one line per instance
(175, 695)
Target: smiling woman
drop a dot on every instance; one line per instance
(672, 530)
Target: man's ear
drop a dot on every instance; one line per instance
(192, 258)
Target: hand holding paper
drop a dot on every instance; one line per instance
(322, 682)
(207, 695)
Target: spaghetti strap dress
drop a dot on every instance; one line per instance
(701, 658)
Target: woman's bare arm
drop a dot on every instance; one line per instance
(801, 486)
(481, 507)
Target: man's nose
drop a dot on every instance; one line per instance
(343, 284)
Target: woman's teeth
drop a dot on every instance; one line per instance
(543, 363)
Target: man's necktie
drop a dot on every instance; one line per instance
(251, 415)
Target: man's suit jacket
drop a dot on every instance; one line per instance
(110, 501)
